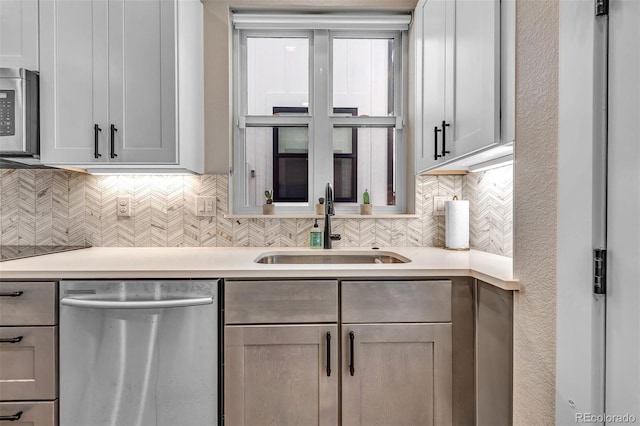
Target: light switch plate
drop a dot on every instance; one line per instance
(205, 206)
(124, 206)
(438, 203)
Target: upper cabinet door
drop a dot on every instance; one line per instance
(430, 33)
(74, 95)
(457, 79)
(19, 34)
(142, 81)
(473, 90)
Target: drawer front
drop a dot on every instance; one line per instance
(30, 413)
(272, 302)
(396, 301)
(28, 303)
(29, 364)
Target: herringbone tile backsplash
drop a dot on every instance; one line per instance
(61, 207)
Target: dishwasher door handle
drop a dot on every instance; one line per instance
(135, 304)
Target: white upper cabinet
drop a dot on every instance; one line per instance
(457, 79)
(122, 85)
(19, 34)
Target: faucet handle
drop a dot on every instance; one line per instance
(335, 237)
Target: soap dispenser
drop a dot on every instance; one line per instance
(315, 238)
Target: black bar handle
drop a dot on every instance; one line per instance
(328, 354)
(11, 339)
(12, 294)
(13, 418)
(352, 364)
(444, 138)
(113, 142)
(96, 130)
(435, 143)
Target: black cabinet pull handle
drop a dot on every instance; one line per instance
(352, 364)
(328, 354)
(96, 129)
(12, 294)
(435, 143)
(444, 138)
(113, 142)
(11, 339)
(13, 418)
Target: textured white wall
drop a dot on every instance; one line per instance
(535, 221)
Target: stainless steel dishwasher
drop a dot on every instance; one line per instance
(138, 353)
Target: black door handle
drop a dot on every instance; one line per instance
(12, 294)
(352, 364)
(444, 138)
(435, 143)
(13, 418)
(328, 354)
(113, 143)
(11, 339)
(96, 130)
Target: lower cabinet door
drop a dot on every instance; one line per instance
(396, 374)
(29, 413)
(28, 363)
(281, 375)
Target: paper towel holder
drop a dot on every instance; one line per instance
(455, 198)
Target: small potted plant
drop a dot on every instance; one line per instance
(268, 207)
(366, 207)
(320, 206)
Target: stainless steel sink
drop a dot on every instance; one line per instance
(355, 257)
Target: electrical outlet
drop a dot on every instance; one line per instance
(205, 206)
(438, 204)
(124, 206)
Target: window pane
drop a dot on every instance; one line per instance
(277, 73)
(373, 163)
(343, 179)
(293, 180)
(363, 75)
(276, 159)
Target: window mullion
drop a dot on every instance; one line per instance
(321, 166)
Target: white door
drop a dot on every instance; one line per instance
(623, 206)
(430, 82)
(19, 34)
(142, 79)
(74, 96)
(473, 89)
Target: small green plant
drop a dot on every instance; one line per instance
(321, 200)
(365, 197)
(269, 196)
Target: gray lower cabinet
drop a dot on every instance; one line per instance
(28, 353)
(494, 327)
(396, 374)
(397, 353)
(281, 375)
(282, 344)
(281, 364)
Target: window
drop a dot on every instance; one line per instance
(316, 105)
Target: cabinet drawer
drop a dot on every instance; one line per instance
(271, 302)
(396, 301)
(28, 303)
(31, 413)
(29, 364)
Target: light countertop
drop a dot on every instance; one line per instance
(238, 262)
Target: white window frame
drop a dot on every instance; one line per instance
(320, 121)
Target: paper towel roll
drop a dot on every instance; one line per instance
(456, 213)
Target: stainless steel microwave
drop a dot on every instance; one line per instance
(19, 113)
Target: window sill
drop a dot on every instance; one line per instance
(317, 216)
